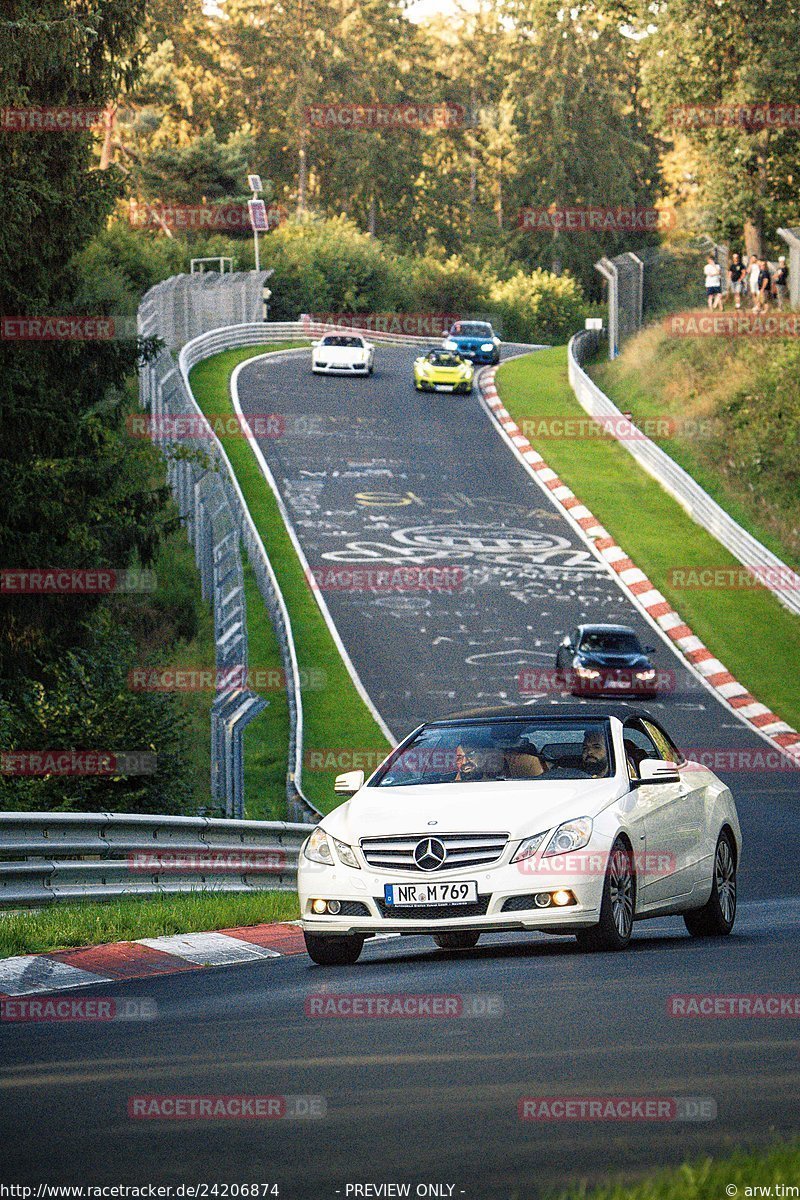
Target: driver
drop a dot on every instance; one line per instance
(477, 763)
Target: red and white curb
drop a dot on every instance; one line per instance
(641, 591)
(64, 969)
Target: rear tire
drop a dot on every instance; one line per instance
(716, 917)
(333, 950)
(456, 941)
(614, 929)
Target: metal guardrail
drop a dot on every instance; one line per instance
(49, 857)
(768, 568)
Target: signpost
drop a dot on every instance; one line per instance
(258, 212)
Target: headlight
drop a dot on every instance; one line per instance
(346, 854)
(450, 344)
(572, 835)
(487, 346)
(529, 846)
(645, 674)
(586, 673)
(318, 848)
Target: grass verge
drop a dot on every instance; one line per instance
(743, 1174)
(335, 716)
(69, 926)
(753, 635)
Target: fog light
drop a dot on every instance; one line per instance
(319, 906)
(562, 898)
(542, 899)
(334, 907)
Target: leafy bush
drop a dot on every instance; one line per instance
(538, 307)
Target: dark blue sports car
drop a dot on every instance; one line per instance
(606, 660)
(475, 340)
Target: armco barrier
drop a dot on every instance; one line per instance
(698, 504)
(48, 857)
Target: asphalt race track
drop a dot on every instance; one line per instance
(374, 474)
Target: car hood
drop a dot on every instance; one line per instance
(519, 808)
(595, 658)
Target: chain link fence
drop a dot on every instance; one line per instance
(624, 275)
(215, 515)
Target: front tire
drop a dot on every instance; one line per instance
(333, 950)
(456, 941)
(615, 927)
(716, 917)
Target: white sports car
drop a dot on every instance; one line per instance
(565, 818)
(345, 353)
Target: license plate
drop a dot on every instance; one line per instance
(399, 894)
(618, 683)
(443, 387)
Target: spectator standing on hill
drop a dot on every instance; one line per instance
(780, 284)
(753, 272)
(713, 276)
(736, 274)
(764, 286)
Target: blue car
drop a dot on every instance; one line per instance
(474, 340)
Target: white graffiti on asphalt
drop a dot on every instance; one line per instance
(486, 544)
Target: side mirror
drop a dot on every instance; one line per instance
(315, 344)
(348, 783)
(649, 649)
(656, 770)
(566, 642)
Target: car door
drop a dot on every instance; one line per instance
(664, 871)
(692, 833)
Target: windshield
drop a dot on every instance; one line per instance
(605, 641)
(484, 751)
(339, 339)
(471, 329)
(444, 358)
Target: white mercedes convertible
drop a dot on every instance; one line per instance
(568, 819)
(342, 353)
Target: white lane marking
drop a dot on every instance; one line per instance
(36, 973)
(212, 948)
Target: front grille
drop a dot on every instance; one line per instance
(518, 903)
(432, 912)
(463, 850)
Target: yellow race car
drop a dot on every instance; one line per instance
(443, 371)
